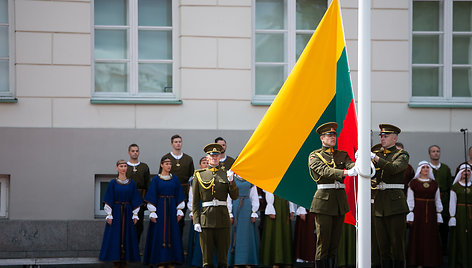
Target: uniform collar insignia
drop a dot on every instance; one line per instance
(328, 149)
(389, 150)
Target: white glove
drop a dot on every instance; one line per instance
(410, 217)
(440, 219)
(356, 155)
(197, 228)
(352, 172)
(452, 221)
(230, 175)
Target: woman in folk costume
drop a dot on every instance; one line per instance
(276, 243)
(424, 202)
(304, 240)
(244, 245)
(165, 199)
(460, 209)
(122, 202)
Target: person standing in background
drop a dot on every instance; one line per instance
(226, 161)
(139, 172)
(182, 167)
(122, 203)
(442, 175)
(424, 202)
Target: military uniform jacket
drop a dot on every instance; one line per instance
(326, 170)
(210, 184)
(390, 169)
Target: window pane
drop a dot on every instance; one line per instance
(462, 19)
(103, 190)
(110, 12)
(110, 44)
(462, 50)
(270, 14)
(462, 82)
(426, 82)
(426, 15)
(426, 49)
(270, 48)
(155, 77)
(302, 40)
(4, 41)
(4, 76)
(269, 79)
(3, 11)
(155, 45)
(111, 77)
(155, 13)
(309, 13)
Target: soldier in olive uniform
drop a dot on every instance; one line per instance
(211, 187)
(328, 168)
(390, 207)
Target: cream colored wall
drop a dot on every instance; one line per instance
(53, 71)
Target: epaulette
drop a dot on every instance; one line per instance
(198, 170)
(312, 154)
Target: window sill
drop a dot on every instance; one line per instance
(263, 100)
(131, 101)
(457, 105)
(8, 100)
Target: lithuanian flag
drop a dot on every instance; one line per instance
(318, 90)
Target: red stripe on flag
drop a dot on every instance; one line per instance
(347, 141)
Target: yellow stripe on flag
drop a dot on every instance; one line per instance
(308, 90)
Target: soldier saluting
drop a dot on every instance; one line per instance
(211, 187)
(390, 207)
(328, 168)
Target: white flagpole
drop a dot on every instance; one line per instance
(363, 161)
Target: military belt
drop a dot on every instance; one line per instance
(213, 203)
(335, 185)
(384, 186)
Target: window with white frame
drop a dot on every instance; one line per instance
(282, 30)
(101, 184)
(441, 53)
(4, 190)
(6, 50)
(134, 57)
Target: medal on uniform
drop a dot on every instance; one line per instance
(135, 169)
(222, 167)
(426, 185)
(178, 164)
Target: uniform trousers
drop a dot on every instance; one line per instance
(390, 232)
(215, 238)
(328, 231)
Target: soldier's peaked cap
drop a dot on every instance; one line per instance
(389, 129)
(327, 128)
(213, 148)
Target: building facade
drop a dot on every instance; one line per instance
(80, 80)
